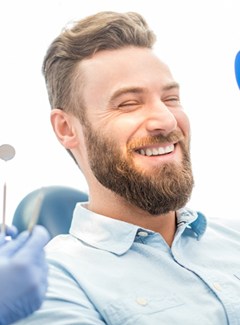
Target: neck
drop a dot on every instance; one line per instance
(113, 206)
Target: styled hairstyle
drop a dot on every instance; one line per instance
(105, 30)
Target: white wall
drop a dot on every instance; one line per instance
(198, 39)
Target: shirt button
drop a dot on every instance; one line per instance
(141, 301)
(217, 286)
(142, 233)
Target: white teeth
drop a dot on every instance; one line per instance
(157, 151)
(169, 149)
(149, 152)
(161, 151)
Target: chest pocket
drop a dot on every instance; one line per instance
(141, 310)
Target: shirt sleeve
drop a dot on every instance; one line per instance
(65, 302)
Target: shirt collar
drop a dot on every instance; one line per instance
(102, 232)
(192, 219)
(118, 236)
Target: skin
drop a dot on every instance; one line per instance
(130, 94)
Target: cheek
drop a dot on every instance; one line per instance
(183, 123)
(123, 127)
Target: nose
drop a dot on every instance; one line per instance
(160, 119)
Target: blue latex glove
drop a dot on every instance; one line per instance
(10, 231)
(23, 275)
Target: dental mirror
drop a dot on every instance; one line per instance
(7, 152)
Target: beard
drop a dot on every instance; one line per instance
(167, 188)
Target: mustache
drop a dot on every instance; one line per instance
(173, 137)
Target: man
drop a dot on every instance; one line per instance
(23, 273)
(135, 254)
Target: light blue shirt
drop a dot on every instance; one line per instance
(110, 272)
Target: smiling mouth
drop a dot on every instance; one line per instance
(156, 151)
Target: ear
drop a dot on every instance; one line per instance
(64, 126)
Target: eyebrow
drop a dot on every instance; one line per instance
(139, 90)
(171, 85)
(126, 90)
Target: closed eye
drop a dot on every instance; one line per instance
(173, 98)
(129, 105)
(172, 101)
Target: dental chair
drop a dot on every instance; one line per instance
(54, 211)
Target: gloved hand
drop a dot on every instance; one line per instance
(23, 275)
(9, 231)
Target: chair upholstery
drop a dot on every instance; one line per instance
(56, 209)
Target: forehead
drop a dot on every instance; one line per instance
(109, 70)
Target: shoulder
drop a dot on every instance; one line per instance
(228, 227)
(229, 223)
(222, 237)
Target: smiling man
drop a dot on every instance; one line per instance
(135, 126)
(135, 252)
